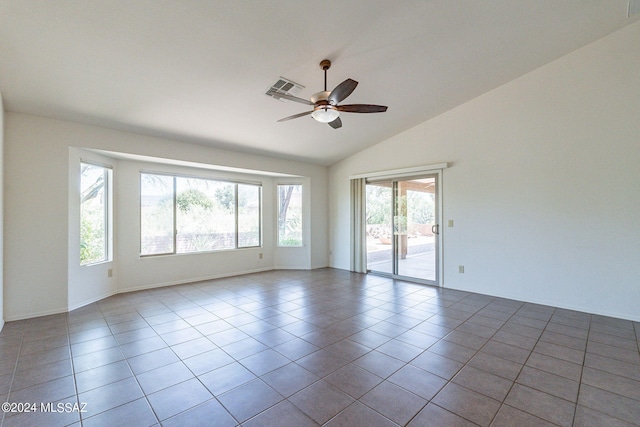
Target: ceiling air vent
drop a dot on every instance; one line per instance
(284, 86)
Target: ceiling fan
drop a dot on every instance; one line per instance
(325, 104)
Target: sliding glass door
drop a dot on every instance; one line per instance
(379, 214)
(402, 228)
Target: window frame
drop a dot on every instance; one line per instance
(302, 233)
(173, 208)
(260, 210)
(107, 211)
(235, 184)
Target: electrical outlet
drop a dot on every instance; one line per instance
(110, 272)
(450, 223)
(260, 255)
(461, 269)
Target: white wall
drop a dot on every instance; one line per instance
(87, 283)
(36, 218)
(543, 183)
(41, 276)
(296, 257)
(1, 213)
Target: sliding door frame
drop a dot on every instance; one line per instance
(400, 174)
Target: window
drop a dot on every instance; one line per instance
(248, 215)
(290, 215)
(156, 214)
(185, 215)
(94, 213)
(205, 215)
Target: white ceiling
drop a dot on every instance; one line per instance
(197, 70)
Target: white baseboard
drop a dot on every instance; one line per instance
(543, 301)
(192, 280)
(138, 288)
(37, 314)
(316, 267)
(91, 301)
(291, 267)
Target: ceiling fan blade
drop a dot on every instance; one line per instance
(292, 98)
(336, 124)
(295, 116)
(362, 108)
(341, 91)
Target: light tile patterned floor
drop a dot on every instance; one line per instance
(323, 347)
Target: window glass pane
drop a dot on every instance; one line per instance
(205, 215)
(156, 214)
(93, 214)
(290, 215)
(248, 215)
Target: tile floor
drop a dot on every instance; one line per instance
(324, 347)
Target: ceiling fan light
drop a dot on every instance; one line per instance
(325, 115)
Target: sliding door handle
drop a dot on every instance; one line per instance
(435, 229)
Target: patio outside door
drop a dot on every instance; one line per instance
(402, 228)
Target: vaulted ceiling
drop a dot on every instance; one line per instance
(197, 70)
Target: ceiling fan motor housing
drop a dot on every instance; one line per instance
(320, 96)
